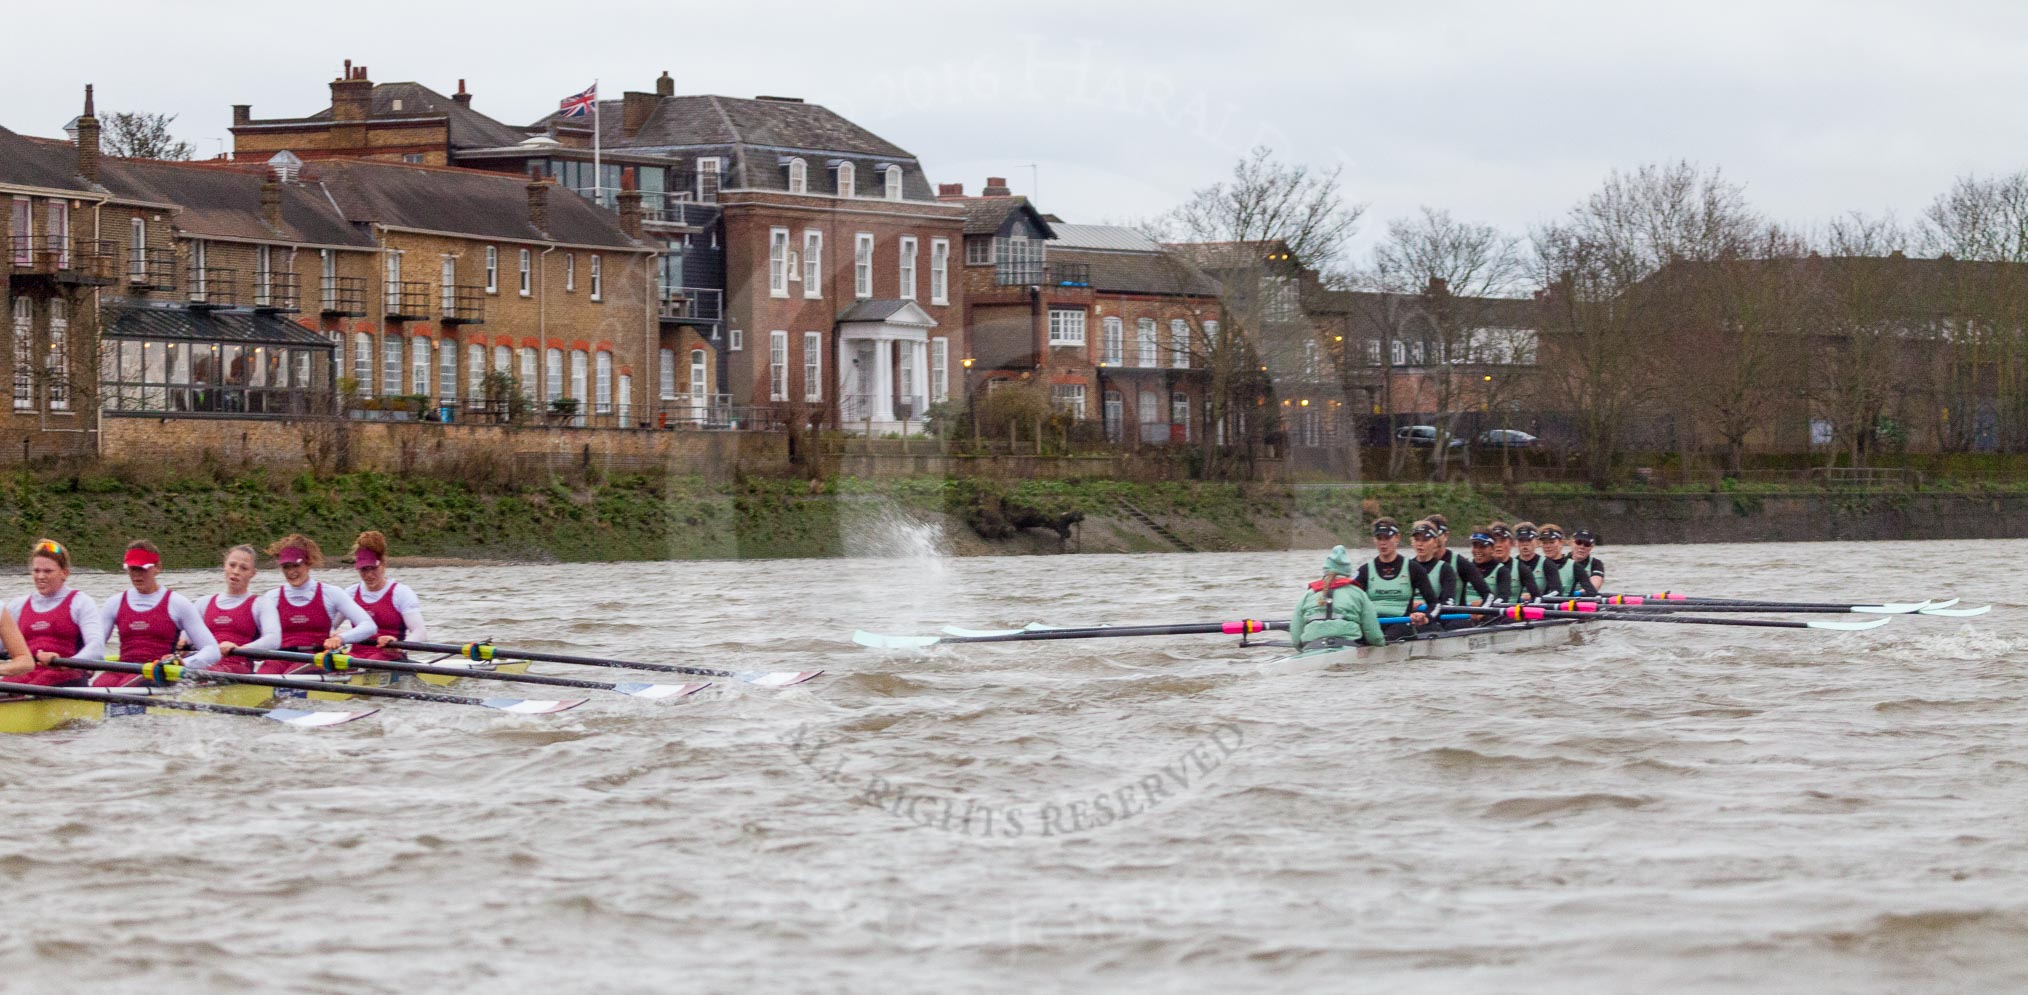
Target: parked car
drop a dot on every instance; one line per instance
(1425, 435)
(1506, 438)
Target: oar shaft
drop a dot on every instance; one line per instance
(1533, 612)
(1243, 627)
(488, 651)
(1653, 600)
(178, 674)
(80, 694)
(340, 661)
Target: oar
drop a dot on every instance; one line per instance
(1773, 608)
(1524, 613)
(1671, 598)
(875, 640)
(488, 651)
(172, 673)
(286, 716)
(340, 661)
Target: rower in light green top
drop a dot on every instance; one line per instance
(1335, 609)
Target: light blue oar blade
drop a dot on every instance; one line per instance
(1891, 609)
(875, 640)
(1942, 604)
(523, 706)
(1874, 623)
(952, 630)
(1957, 612)
(778, 678)
(312, 720)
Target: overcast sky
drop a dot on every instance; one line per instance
(1498, 112)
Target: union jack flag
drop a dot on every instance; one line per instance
(580, 104)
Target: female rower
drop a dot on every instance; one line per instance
(149, 619)
(1435, 571)
(18, 660)
(1511, 584)
(57, 620)
(396, 611)
(1583, 540)
(1387, 582)
(1334, 611)
(307, 609)
(1563, 571)
(238, 617)
(1469, 574)
(1530, 562)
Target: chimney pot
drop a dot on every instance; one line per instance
(538, 206)
(996, 186)
(88, 141)
(950, 190)
(462, 96)
(664, 86)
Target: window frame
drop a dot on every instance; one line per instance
(598, 290)
(892, 183)
(527, 274)
(492, 269)
(940, 271)
(863, 246)
(778, 261)
(939, 368)
(778, 365)
(847, 180)
(1060, 327)
(1113, 341)
(813, 264)
(799, 175)
(570, 272)
(813, 366)
(905, 275)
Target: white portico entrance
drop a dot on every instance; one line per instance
(883, 362)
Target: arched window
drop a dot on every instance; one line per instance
(362, 362)
(799, 176)
(894, 183)
(475, 368)
(579, 365)
(845, 179)
(668, 382)
(626, 401)
(447, 371)
(552, 364)
(604, 383)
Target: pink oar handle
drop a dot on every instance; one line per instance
(1244, 627)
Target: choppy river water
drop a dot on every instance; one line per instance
(1662, 807)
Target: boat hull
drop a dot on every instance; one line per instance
(1457, 642)
(25, 715)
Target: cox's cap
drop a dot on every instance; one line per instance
(141, 558)
(1338, 561)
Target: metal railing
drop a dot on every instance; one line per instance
(692, 304)
(152, 269)
(676, 208)
(276, 291)
(860, 408)
(464, 304)
(344, 296)
(214, 287)
(217, 400)
(1035, 271)
(407, 300)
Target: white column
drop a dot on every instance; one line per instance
(919, 355)
(883, 380)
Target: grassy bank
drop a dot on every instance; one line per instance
(644, 517)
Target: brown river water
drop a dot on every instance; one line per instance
(1659, 808)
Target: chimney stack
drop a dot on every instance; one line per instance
(630, 206)
(352, 97)
(947, 190)
(665, 87)
(271, 201)
(242, 114)
(634, 111)
(996, 186)
(88, 140)
(538, 205)
(461, 96)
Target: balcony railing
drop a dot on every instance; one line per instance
(88, 261)
(152, 269)
(696, 304)
(344, 296)
(213, 287)
(407, 300)
(275, 292)
(1036, 272)
(464, 304)
(676, 208)
(92, 263)
(860, 408)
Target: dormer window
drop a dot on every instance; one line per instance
(845, 179)
(799, 176)
(894, 183)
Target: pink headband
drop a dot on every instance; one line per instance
(142, 558)
(292, 554)
(365, 558)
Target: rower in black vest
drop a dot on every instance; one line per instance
(1469, 574)
(1563, 569)
(1530, 563)
(1436, 570)
(1389, 583)
(1584, 540)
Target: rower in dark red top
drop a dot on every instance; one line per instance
(307, 609)
(150, 619)
(238, 617)
(57, 620)
(396, 611)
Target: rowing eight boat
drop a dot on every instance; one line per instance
(1433, 645)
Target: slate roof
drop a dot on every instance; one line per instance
(469, 128)
(33, 163)
(1139, 272)
(120, 322)
(876, 310)
(226, 201)
(1108, 237)
(460, 201)
(988, 215)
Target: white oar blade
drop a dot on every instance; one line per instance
(1873, 623)
(1046, 627)
(1957, 612)
(952, 630)
(1892, 609)
(874, 640)
(312, 720)
(1942, 604)
(777, 679)
(654, 692)
(523, 706)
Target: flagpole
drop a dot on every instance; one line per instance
(598, 170)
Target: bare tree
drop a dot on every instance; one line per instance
(141, 135)
(1982, 224)
(1450, 272)
(1263, 233)
(1604, 323)
(1863, 320)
